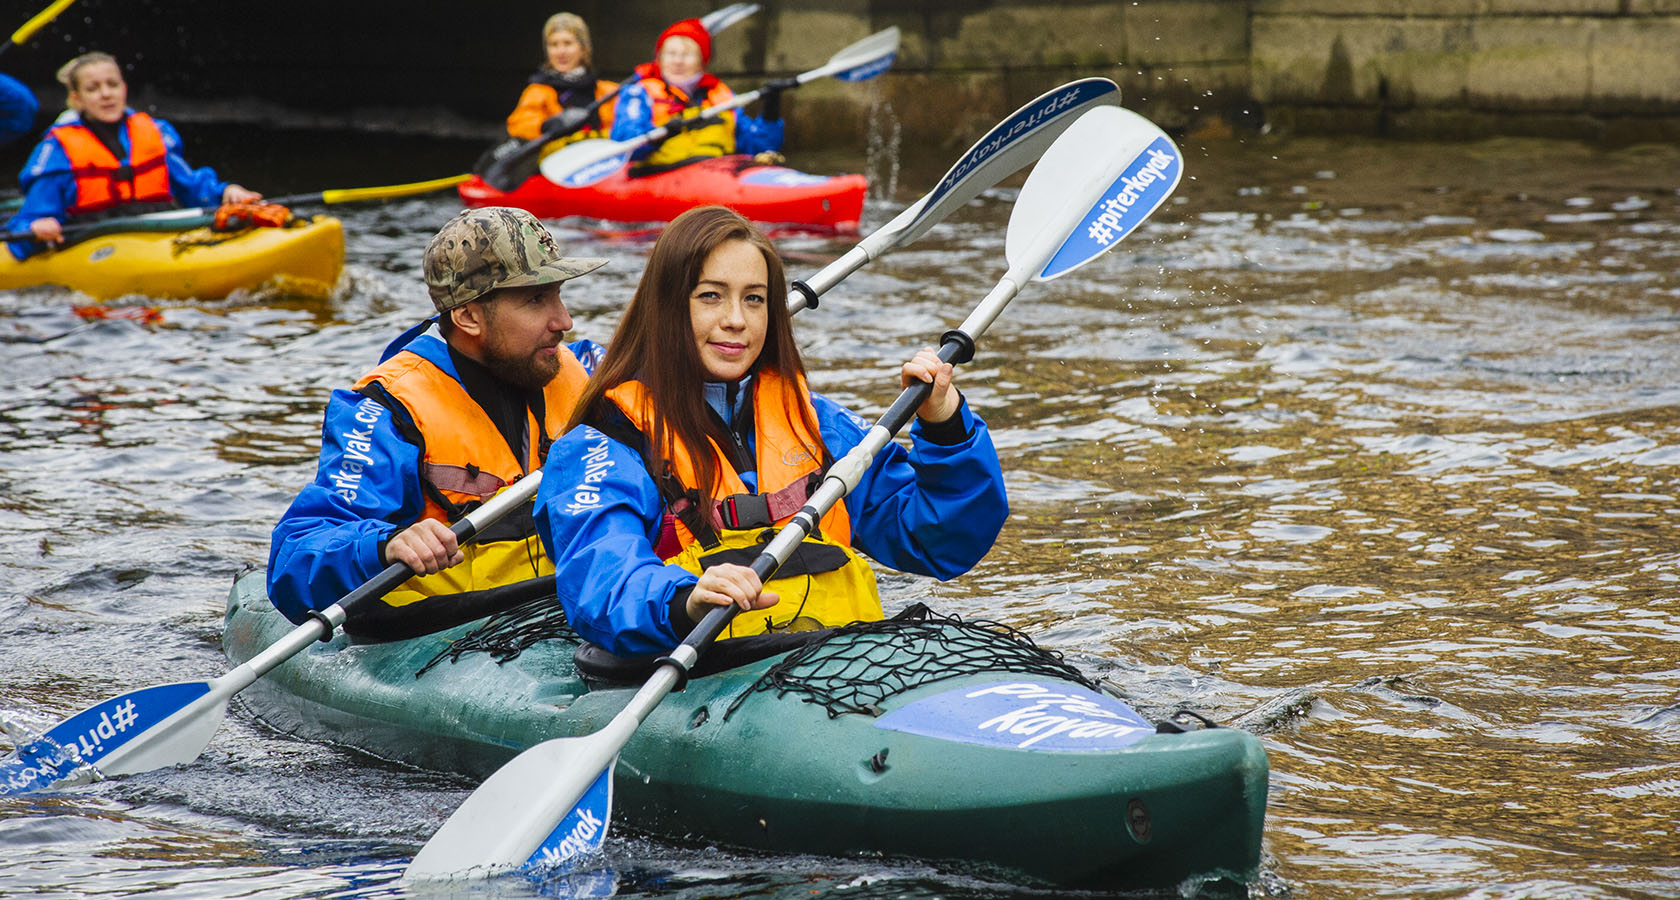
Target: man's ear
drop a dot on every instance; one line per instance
(470, 318)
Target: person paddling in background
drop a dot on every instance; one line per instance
(673, 89)
(444, 422)
(102, 159)
(698, 433)
(559, 93)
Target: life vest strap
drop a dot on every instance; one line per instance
(462, 479)
(756, 510)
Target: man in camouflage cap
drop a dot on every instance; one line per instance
(446, 421)
(482, 250)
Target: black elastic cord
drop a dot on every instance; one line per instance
(682, 673)
(805, 290)
(326, 625)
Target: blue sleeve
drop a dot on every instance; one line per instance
(754, 135)
(633, 117)
(932, 510)
(17, 109)
(190, 186)
(598, 513)
(48, 190)
(588, 353)
(366, 487)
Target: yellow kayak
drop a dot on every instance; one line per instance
(302, 259)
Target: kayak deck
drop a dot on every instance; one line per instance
(302, 260)
(766, 194)
(731, 761)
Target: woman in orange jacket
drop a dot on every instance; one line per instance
(566, 82)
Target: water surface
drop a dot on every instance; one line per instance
(1370, 449)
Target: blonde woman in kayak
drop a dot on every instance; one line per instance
(102, 159)
(698, 434)
(671, 92)
(566, 81)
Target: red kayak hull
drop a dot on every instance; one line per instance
(765, 194)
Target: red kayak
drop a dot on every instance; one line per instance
(763, 193)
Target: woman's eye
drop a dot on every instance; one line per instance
(756, 298)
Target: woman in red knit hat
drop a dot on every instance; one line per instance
(673, 89)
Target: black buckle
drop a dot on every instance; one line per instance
(745, 511)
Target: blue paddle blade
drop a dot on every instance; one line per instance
(580, 833)
(1033, 125)
(869, 69)
(595, 172)
(89, 736)
(1138, 191)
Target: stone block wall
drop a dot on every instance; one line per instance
(1595, 69)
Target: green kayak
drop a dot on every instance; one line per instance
(928, 737)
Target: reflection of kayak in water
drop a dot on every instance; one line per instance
(763, 193)
(301, 260)
(923, 737)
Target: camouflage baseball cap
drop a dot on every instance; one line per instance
(493, 247)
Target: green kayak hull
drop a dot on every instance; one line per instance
(778, 773)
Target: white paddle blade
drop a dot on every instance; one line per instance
(585, 162)
(1124, 160)
(1011, 145)
(863, 60)
(719, 19)
(163, 725)
(508, 821)
(581, 833)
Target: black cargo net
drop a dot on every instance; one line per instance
(854, 668)
(508, 633)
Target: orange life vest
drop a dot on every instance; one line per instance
(467, 461)
(540, 101)
(467, 458)
(824, 583)
(785, 453)
(102, 180)
(671, 102)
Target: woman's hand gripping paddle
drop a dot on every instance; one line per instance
(515, 161)
(587, 162)
(171, 724)
(1097, 183)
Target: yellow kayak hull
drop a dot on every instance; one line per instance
(301, 261)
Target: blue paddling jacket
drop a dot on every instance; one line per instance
(934, 509)
(326, 545)
(49, 187)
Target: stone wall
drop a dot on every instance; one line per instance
(1598, 69)
(1605, 70)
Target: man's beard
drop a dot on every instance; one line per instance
(520, 370)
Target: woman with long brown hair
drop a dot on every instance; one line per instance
(697, 435)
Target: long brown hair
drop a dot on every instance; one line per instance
(654, 343)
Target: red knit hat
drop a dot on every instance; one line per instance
(688, 28)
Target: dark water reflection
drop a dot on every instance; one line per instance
(1371, 449)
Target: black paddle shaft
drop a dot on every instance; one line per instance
(379, 585)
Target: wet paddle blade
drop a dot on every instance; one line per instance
(719, 19)
(1140, 168)
(163, 725)
(1011, 145)
(543, 809)
(861, 61)
(584, 163)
